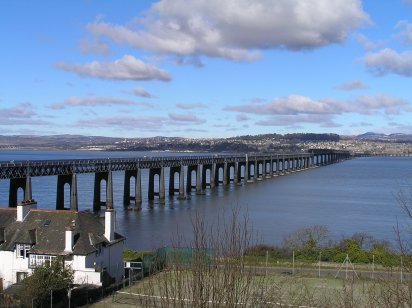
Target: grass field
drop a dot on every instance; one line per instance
(272, 290)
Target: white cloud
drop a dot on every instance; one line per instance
(187, 118)
(95, 46)
(296, 105)
(294, 120)
(406, 34)
(74, 101)
(236, 29)
(368, 44)
(292, 104)
(388, 104)
(389, 61)
(141, 92)
(145, 123)
(242, 117)
(190, 106)
(352, 85)
(23, 110)
(126, 68)
(21, 114)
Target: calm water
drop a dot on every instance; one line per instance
(354, 196)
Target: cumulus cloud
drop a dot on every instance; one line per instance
(145, 123)
(292, 104)
(293, 120)
(141, 92)
(255, 100)
(74, 101)
(95, 46)
(388, 104)
(187, 118)
(236, 29)
(301, 109)
(352, 85)
(406, 34)
(242, 117)
(368, 44)
(21, 114)
(190, 106)
(23, 110)
(389, 61)
(126, 68)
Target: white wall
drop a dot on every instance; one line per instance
(84, 267)
(111, 258)
(6, 265)
(10, 265)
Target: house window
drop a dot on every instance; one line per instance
(38, 260)
(20, 276)
(22, 250)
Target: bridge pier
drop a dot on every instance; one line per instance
(15, 184)
(172, 172)
(109, 191)
(138, 189)
(182, 195)
(205, 184)
(250, 178)
(62, 180)
(161, 193)
(270, 175)
(262, 174)
(198, 179)
(217, 174)
(225, 174)
(189, 185)
(236, 173)
(127, 197)
(98, 178)
(213, 176)
(246, 173)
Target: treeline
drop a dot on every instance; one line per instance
(312, 137)
(312, 243)
(296, 137)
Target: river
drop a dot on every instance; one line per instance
(358, 195)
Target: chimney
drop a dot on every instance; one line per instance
(69, 239)
(109, 224)
(22, 210)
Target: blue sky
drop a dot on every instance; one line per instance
(205, 68)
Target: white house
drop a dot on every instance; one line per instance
(30, 237)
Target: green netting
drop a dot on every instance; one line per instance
(169, 256)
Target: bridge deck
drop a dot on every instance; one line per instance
(20, 169)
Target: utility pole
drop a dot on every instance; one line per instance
(320, 257)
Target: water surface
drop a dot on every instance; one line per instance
(357, 195)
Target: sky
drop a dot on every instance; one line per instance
(205, 68)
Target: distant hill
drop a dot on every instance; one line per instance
(371, 136)
(385, 137)
(54, 141)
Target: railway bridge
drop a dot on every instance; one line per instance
(202, 172)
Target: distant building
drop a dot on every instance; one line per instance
(30, 237)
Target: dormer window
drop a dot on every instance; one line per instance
(22, 250)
